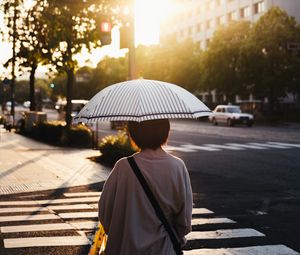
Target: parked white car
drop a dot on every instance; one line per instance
(230, 115)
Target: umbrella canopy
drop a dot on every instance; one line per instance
(140, 100)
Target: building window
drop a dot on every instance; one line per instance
(198, 27)
(220, 2)
(259, 7)
(245, 12)
(221, 20)
(210, 5)
(232, 16)
(209, 24)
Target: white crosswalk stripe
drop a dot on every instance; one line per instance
(223, 234)
(231, 146)
(254, 250)
(81, 224)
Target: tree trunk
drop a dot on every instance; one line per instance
(70, 82)
(32, 88)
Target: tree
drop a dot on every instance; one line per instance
(221, 64)
(175, 63)
(70, 26)
(273, 65)
(12, 17)
(33, 50)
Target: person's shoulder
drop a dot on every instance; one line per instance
(176, 160)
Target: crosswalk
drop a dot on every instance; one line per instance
(232, 146)
(71, 222)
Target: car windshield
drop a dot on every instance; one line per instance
(234, 110)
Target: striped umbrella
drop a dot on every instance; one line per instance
(140, 100)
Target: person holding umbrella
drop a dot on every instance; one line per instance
(129, 219)
(146, 202)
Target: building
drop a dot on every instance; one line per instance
(198, 19)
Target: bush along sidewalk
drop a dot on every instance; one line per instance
(55, 133)
(114, 147)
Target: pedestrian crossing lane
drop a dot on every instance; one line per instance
(232, 147)
(78, 212)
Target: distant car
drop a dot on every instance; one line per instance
(230, 115)
(77, 105)
(26, 104)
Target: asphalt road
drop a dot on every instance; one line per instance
(259, 188)
(249, 175)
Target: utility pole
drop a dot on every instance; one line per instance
(12, 112)
(131, 53)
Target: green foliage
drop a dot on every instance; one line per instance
(48, 132)
(175, 63)
(55, 133)
(77, 136)
(114, 147)
(275, 69)
(221, 63)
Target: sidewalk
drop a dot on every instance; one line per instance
(27, 165)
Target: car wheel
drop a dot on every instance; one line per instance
(214, 121)
(230, 123)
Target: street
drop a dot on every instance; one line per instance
(246, 185)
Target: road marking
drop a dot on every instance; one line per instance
(285, 144)
(47, 208)
(22, 209)
(54, 201)
(36, 227)
(69, 207)
(201, 211)
(88, 225)
(274, 146)
(28, 217)
(45, 241)
(78, 215)
(218, 146)
(246, 146)
(84, 224)
(254, 250)
(181, 148)
(204, 221)
(224, 234)
(231, 146)
(82, 194)
(198, 147)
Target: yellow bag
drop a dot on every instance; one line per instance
(99, 242)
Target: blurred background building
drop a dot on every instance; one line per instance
(198, 19)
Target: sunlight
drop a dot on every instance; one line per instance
(148, 15)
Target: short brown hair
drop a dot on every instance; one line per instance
(150, 134)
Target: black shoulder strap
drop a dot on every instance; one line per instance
(155, 205)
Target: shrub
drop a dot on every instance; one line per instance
(49, 132)
(54, 132)
(114, 147)
(79, 136)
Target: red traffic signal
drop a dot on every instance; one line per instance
(105, 32)
(105, 27)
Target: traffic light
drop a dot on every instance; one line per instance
(105, 32)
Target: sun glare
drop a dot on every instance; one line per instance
(148, 15)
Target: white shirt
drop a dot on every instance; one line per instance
(128, 217)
